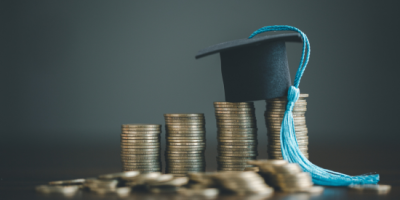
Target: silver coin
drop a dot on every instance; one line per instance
(238, 155)
(234, 109)
(179, 151)
(187, 135)
(237, 130)
(185, 141)
(136, 157)
(199, 144)
(233, 117)
(141, 125)
(236, 158)
(233, 106)
(186, 138)
(240, 121)
(140, 134)
(191, 148)
(139, 147)
(195, 157)
(238, 140)
(141, 141)
(185, 121)
(140, 138)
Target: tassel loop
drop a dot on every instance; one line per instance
(293, 96)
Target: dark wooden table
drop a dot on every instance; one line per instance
(23, 169)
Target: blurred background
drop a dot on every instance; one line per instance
(73, 71)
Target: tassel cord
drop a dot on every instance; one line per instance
(289, 146)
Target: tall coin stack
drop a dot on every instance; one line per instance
(140, 147)
(186, 143)
(273, 118)
(237, 135)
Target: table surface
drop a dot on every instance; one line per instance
(21, 171)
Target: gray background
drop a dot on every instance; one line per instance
(73, 71)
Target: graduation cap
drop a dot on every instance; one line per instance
(257, 68)
(254, 69)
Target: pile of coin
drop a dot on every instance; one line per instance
(140, 147)
(242, 183)
(273, 118)
(186, 143)
(287, 177)
(237, 135)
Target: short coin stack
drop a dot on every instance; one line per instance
(237, 135)
(186, 143)
(273, 118)
(140, 147)
(287, 177)
(243, 183)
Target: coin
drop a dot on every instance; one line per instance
(237, 146)
(186, 132)
(140, 134)
(186, 138)
(184, 124)
(185, 115)
(153, 149)
(232, 103)
(184, 171)
(237, 130)
(180, 151)
(237, 135)
(192, 157)
(188, 128)
(236, 154)
(69, 190)
(186, 161)
(235, 158)
(191, 148)
(186, 144)
(68, 182)
(141, 129)
(235, 117)
(184, 120)
(138, 147)
(236, 126)
(239, 138)
(143, 161)
(140, 138)
(141, 125)
(141, 141)
(234, 106)
(230, 169)
(184, 141)
(233, 109)
(217, 112)
(140, 157)
(245, 121)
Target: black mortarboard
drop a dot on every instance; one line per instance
(254, 69)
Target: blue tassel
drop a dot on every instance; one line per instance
(289, 146)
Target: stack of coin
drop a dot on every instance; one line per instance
(287, 177)
(243, 183)
(140, 147)
(273, 118)
(237, 135)
(186, 143)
